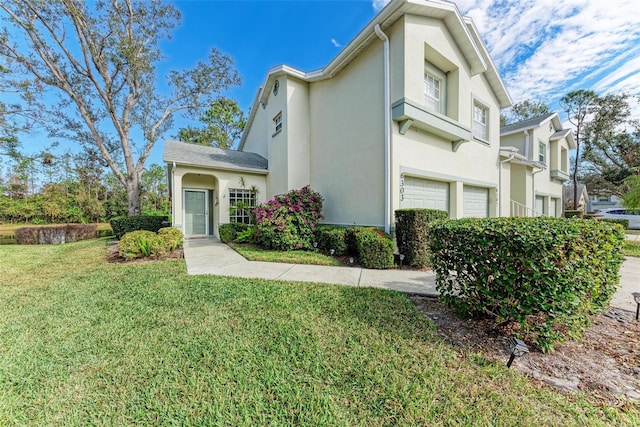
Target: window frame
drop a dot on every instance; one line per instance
(477, 104)
(437, 75)
(542, 154)
(242, 215)
(277, 124)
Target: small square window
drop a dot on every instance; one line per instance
(542, 152)
(480, 113)
(277, 123)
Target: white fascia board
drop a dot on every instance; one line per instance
(492, 71)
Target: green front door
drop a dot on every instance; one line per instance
(195, 212)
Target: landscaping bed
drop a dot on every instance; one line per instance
(606, 363)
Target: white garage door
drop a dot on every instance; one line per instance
(424, 193)
(475, 202)
(539, 205)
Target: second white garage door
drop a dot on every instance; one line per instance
(425, 193)
(475, 202)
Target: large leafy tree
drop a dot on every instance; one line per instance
(224, 122)
(611, 145)
(100, 59)
(578, 105)
(524, 110)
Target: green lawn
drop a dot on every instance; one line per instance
(83, 342)
(256, 253)
(631, 248)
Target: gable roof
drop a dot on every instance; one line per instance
(567, 191)
(536, 122)
(462, 30)
(533, 122)
(212, 157)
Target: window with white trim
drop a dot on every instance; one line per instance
(277, 123)
(432, 92)
(241, 203)
(480, 117)
(542, 152)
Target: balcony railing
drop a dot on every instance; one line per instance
(518, 210)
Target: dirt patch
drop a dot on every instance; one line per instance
(114, 256)
(605, 363)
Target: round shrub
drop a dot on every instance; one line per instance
(332, 237)
(138, 244)
(171, 237)
(229, 232)
(289, 221)
(375, 248)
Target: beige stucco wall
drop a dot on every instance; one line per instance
(516, 140)
(347, 141)
(333, 129)
(422, 154)
(191, 177)
(298, 133)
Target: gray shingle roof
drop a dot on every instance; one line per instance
(200, 155)
(532, 122)
(567, 191)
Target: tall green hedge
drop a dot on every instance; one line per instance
(126, 224)
(545, 274)
(411, 234)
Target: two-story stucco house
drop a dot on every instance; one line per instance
(535, 164)
(406, 115)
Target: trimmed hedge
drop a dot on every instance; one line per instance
(573, 214)
(375, 248)
(229, 232)
(55, 235)
(545, 274)
(332, 237)
(171, 236)
(621, 221)
(126, 224)
(412, 233)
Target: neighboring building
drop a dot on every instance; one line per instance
(535, 164)
(407, 115)
(597, 202)
(583, 198)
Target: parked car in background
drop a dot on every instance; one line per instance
(619, 213)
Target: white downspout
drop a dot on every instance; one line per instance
(507, 160)
(387, 132)
(533, 189)
(173, 194)
(526, 145)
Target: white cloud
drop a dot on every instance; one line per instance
(547, 48)
(335, 43)
(379, 4)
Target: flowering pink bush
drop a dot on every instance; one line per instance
(289, 220)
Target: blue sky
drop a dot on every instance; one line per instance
(542, 48)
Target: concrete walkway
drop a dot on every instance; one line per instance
(210, 256)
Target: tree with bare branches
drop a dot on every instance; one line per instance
(100, 59)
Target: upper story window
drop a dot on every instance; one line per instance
(242, 202)
(432, 92)
(480, 117)
(277, 123)
(435, 82)
(564, 160)
(542, 152)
